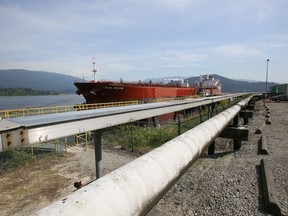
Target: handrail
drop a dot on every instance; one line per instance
(136, 187)
(14, 113)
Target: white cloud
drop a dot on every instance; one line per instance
(275, 41)
(274, 45)
(182, 56)
(237, 50)
(117, 67)
(178, 4)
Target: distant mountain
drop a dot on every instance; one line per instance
(37, 80)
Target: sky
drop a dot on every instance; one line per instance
(141, 39)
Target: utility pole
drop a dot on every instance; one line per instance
(266, 79)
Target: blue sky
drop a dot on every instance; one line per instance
(139, 39)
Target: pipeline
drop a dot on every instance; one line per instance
(136, 187)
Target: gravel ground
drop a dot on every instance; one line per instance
(277, 140)
(228, 182)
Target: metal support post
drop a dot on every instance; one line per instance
(98, 153)
(236, 120)
(211, 148)
(132, 138)
(246, 121)
(200, 113)
(154, 120)
(210, 110)
(179, 125)
(237, 144)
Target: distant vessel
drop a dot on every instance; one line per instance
(111, 91)
(207, 85)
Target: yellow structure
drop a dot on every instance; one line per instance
(6, 114)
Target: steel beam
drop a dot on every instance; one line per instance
(53, 126)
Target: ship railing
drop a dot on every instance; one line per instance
(165, 99)
(14, 113)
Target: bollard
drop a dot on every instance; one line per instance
(268, 121)
(263, 145)
(270, 195)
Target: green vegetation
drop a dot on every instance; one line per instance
(15, 158)
(141, 139)
(24, 91)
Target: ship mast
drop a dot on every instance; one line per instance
(94, 68)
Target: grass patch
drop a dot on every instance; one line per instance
(19, 158)
(141, 139)
(15, 158)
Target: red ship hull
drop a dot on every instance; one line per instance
(95, 92)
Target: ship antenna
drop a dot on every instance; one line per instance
(94, 68)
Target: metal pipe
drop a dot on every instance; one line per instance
(136, 187)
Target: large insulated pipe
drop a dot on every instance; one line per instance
(136, 187)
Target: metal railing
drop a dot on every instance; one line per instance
(14, 113)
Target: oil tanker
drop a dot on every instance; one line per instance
(111, 91)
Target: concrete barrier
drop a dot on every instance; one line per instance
(260, 129)
(268, 121)
(270, 196)
(263, 145)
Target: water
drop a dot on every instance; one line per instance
(17, 102)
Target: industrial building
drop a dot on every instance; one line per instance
(279, 89)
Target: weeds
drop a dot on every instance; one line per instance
(15, 159)
(141, 139)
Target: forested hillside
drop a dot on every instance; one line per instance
(37, 80)
(24, 91)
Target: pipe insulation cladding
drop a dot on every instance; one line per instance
(137, 186)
